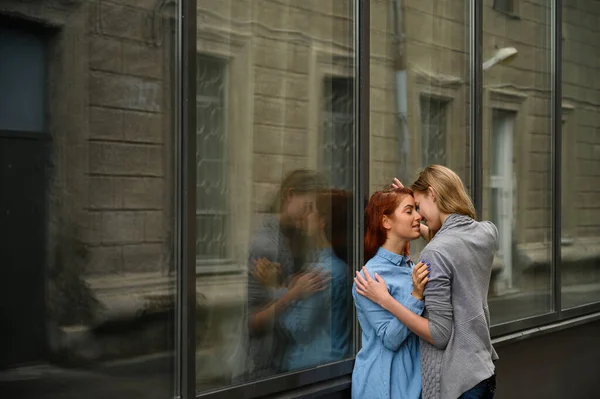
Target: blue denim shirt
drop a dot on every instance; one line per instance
(320, 325)
(388, 365)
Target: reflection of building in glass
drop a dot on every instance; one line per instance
(90, 109)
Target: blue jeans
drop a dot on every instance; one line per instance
(484, 390)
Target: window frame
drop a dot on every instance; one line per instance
(451, 90)
(445, 109)
(320, 153)
(235, 51)
(224, 71)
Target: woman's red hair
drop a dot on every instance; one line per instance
(382, 203)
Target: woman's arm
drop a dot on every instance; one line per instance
(305, 314)
(375, 290)
(304, 285)
(390, 330)
(438, 301)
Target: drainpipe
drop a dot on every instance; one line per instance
(401, 93)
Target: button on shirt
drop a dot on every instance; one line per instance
(387, 366)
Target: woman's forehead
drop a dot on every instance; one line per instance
(407, 200)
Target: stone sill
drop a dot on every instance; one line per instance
(578, 251)
(547, 329)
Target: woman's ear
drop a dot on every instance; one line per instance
(431, 192)
(385, 222)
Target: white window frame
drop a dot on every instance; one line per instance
(235, 48)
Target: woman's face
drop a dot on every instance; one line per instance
(297, 207)
(428, 209)
(405, 222)
(314, 223)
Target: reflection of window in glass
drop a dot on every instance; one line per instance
(507, 6)
(338, 127)
(433, 131)
(23, 219)
(23, 75)
(211, 135)
(501, 182)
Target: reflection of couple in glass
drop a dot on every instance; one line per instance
(442, 300)
(298, 278)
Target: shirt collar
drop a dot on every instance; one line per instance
(398, 260)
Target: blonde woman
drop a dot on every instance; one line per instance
(457, 357)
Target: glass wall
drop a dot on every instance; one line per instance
(580, 234)
(517, 180)
(419, 91)
(275, 188)
(91, 166)
(87, 172)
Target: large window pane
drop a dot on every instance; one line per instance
(87, 173)
(517, 156)
(275, 172)
(580, 235)
(419, 90)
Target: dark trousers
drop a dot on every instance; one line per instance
(484, 390)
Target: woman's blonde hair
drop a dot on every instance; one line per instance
(451, 194)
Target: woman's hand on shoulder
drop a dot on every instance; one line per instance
(309, 282)
(420, 277)
(374, 289)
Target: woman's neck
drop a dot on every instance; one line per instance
(443, 217)
(395, 245)
(321, 241)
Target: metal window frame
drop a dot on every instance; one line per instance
(556, 145)
(185, 245)
(476, 102)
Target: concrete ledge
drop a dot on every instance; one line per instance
(547, 329)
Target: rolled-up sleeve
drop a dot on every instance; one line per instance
(438, 299)
(387, 327)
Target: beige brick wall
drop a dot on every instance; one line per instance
(128, 95)
(581, 87)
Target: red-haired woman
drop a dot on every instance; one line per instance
(387, 366)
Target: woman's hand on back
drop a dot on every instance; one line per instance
(266, 272)
(420, 277)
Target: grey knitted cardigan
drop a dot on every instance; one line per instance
(461, 255)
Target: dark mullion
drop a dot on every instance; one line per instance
(362, 49)
(186, 194)
(476, 102)
(556, 131)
